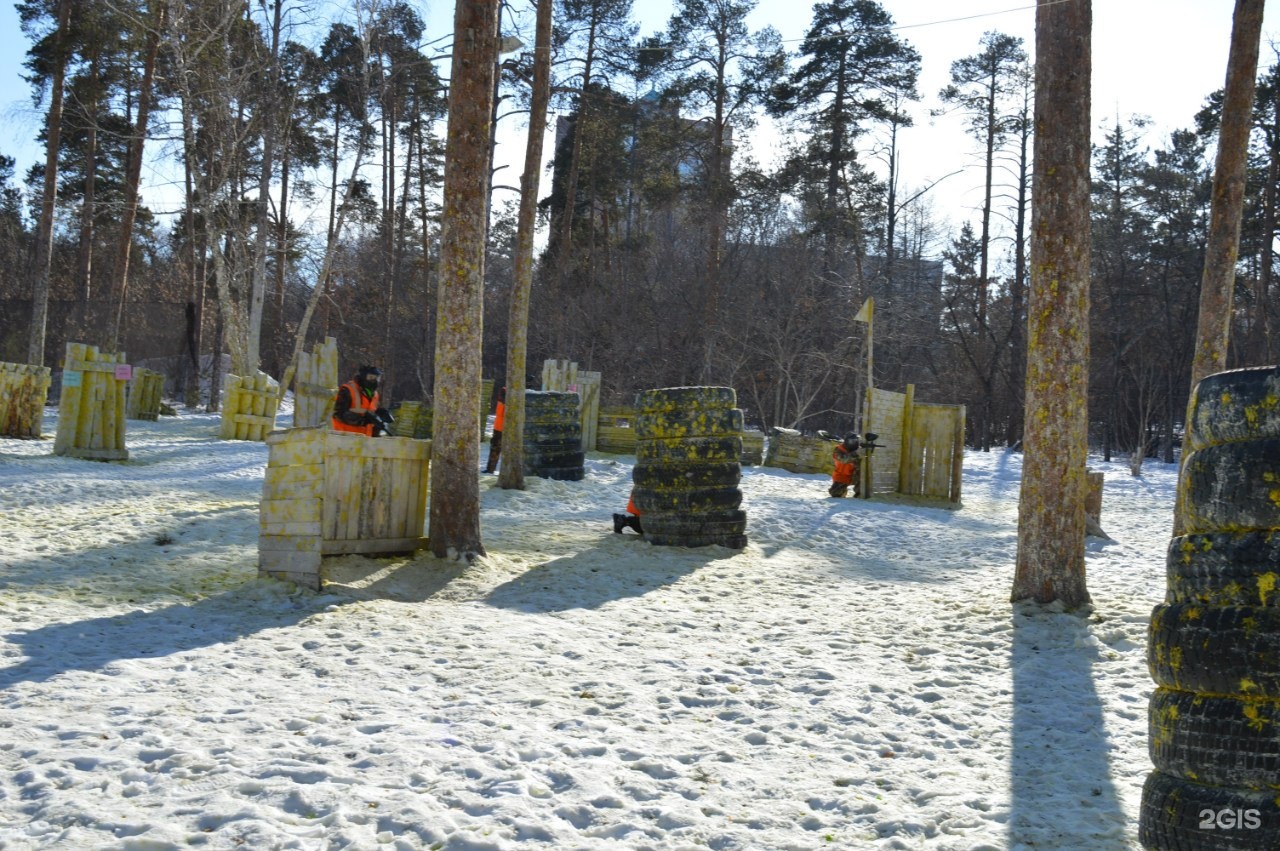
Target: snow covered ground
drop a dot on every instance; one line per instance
(856, 678)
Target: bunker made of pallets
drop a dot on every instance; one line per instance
(334, 493)
(91, 405)
(249, 404)
(144, 392)
(24, 388)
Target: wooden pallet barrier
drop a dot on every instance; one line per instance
(752, 448)
(249, 406)
(316, 385)
(797, 453)
(24, 388)
(563, 376)
(91, 408)
(614, 432)
(922, 446)
(145, 389)
(336, 493)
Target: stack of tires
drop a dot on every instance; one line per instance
(1214, 645)
(688, 451)
(553, 436)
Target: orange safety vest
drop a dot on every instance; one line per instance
(846, 466)
(631, 506)
(499, 416)
(358, 403)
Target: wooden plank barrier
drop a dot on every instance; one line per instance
(24, 388)
(922, 446)
(794, 452)
(316, 385)
(249, 406)
(145, 389)
(752, 448)
(614, 432)
(91, 408)
(336, 493)
(563, 376)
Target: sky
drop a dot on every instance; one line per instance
(855, 678)
(1155, 58)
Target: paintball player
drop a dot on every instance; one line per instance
(630, 520)
(847, 466)
(356, 407)
(495, 442)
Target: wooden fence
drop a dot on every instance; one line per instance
(922, 446)
(24, 388)
(336, 493)
(563, 376)
(316, 385)
(145, 389)
(752, 448)
(249, 406)
(91, 408)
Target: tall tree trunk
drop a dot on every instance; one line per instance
(455, 462)
(1051, 520)
(133, 172)
(1018, 286)
(270, 134)
(1213, 328)
(511, 474)
(44, 231)
(88, 210)
(564, 256)
(718, 213)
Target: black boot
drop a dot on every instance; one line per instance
(619, 523)
(633, 522)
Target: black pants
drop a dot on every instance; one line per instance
(495, 449)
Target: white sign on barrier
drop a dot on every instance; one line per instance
(71, 378)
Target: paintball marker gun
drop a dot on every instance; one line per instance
(382, 422)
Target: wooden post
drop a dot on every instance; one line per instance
(957, 455)
(907, 467)
(589, 395)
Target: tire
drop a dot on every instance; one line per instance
(718, 474)
(733, 542)
(1239, 404)
(1223, 650)
(1225, 569)
(1221, 741)
(549, 398)
(685, 398)
(1232, 487)
(561, 474)
(676, 450)
(711, 524)
(558, 444)
(552, 419)
(719, 422)
(686, 500)
(554, 433)
(1180, 815)
(561, 459)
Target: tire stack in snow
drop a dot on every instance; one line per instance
(553, 436)
(1214, 645)
(688, 451)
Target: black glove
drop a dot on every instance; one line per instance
(368, 419)
(384, 416)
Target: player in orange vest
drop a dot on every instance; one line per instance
(847, 464)
(356, 407)
(495, 442)
(630, 520)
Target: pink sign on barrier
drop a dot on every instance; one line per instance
(124, 372)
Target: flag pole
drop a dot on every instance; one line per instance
(867, 315)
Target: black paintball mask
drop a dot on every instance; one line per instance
(851, 442)
(368, 377)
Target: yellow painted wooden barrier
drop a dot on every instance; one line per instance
(249, 406)
(336, 493)
(24, 388)
(145, 389)
(922, 446)
(563, 376)
(614, 432)
(315, 385)
(796, 453)
(752, 448)
(91, 408)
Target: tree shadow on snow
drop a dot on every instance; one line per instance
(94, 644)
(593, 577)
(1062, 791)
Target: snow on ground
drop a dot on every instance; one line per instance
(856, 678)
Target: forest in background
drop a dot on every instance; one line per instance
(310, 165)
